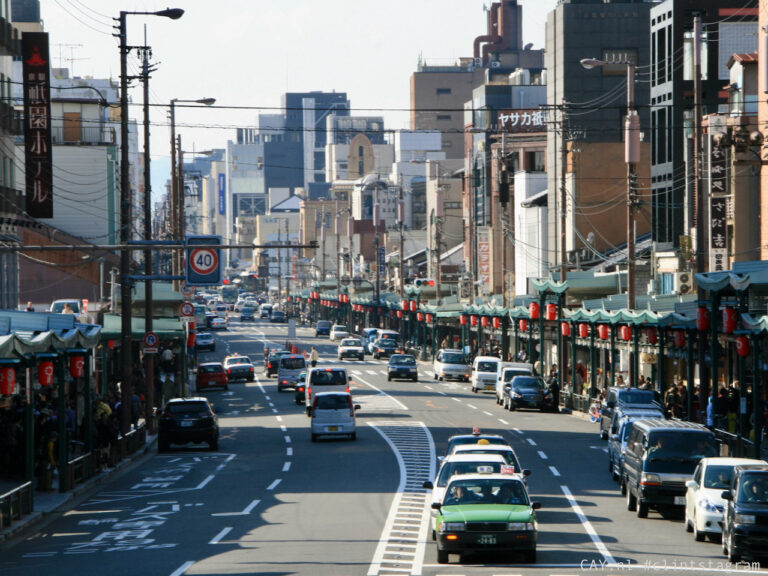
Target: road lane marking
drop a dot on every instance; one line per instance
(531, 442)
(279, 419)
(204, 483)
(287, 439)
(588, 526)
(283, 429)
(473, 407)
(503, 421)
(487, 413)
(286, 466)
(274, 484)
(289, 451)
(554, 471)
(542, 455)
(456, 399)
(216, 539)
(371, 372)
(267, 397)
(428, 387)
(382, 393)
(183, 568)
(517, 430)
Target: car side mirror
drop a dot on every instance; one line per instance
(428, 485)
(691, 484)
(436, 505)
(440, 458)
(603, 435)
(535, 505)
(726, 495)
(526, 472)
(615, 437)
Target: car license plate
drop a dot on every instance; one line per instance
(186, 423)
(679, 500)
(333, 428)
(486, 539)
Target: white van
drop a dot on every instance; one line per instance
(506, 371)
(288, 369)
(484, 373)
(265, 311)
(333, 414)
(333, 379)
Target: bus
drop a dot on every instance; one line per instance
(228, 295)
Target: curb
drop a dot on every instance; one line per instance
(37, 516)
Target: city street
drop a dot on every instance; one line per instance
(272, 502)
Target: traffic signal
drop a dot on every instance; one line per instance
(423, 282)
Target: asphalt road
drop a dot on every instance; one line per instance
(272, 502)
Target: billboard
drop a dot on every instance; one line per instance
(483, 256)
(222, 198)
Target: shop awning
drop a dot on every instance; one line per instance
(165, 328)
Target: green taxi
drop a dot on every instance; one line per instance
(486, 512)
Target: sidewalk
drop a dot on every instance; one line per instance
(46, 503)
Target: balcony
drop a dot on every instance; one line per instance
(83, 135)
(9, 38)
(11, 201)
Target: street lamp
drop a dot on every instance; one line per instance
(126, 339)
(177, 184)
(632, 158)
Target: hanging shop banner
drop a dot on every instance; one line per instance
(222, 194)
(718, 250)
(483, 255)
(37, 124)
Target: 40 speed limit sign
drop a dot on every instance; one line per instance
(203, 266)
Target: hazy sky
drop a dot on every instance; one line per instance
(247, 53)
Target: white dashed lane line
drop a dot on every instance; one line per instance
(286, 466)
(456, 399)
(289, 451)
(531, 442)
(183, 568)
(287, 439)
(283, 429)
(274, 484)
(554, 471)
(517, 430)
(487, 413)
(542, 455)
(503, 421)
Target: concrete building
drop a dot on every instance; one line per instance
(762, 120)
(356, 147)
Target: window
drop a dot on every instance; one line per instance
(441, 91)
(443, 116)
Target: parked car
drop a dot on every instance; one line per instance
(746, 516)
(211, 375)
(506, 371)
(247, 313)
(619, 397)
(333, 414)
(704, 503)
(484, 372)
(528, 392)
(323, 328)
(402, 366)
(661, 457)
(386, 347)
(338, 332)
(289, 367)
(619, 434)
(205, 341)
(239, 368)
(351, 348)
(185, 420)
(451, 364)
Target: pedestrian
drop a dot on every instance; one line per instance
(313, 355)
(29, 307)
(672, 402)
(733, 405)
(168, 388)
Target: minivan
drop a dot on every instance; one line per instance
(484, 369)
(288, 369)
(746, 516)
(324, 380)
(504, 374)
(660, 458)
(620, 396)
(265, 311)
(621, 426)
(333, 414)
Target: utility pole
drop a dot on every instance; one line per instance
(289, 259)
(563, 199)
(401, 221)
(181, 214)
(322, 241)
(698, 193)
(174, 203)
(279, 266)
(438, 234)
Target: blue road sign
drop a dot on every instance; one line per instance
(203, 264)
(382, 261)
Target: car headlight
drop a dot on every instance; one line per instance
(519, 526)
(650, 479)
(517, 395)
(454, 526)
(744, 518)
(706, 504)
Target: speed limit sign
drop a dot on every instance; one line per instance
(203, 266)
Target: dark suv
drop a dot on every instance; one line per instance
(745, 519)
(323, 328)
(185, 420)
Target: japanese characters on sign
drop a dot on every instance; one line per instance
(718, 253)
(483, 255)
(717, 171)
(37, 125)
(521, 121)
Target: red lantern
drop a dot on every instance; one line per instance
(679, 338)
(742, 346)
(729, 320)
(420, 317)
(496, 322)
(484, 321)
(399, 313)
(429, 318)
(7, 381)
(473, 320)
(626, 333)
(551, 312)
(288, 299)
(533, 310)
(191, 338)
(522, 324)
(583, 330)
(602, 331)
(702, 319)
(45, 373)
(565, 329)
(76, 366)
(110, 344)
(463, 319)
(414, 305)
(404, 304)
(653, 336)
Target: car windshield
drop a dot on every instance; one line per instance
(332, 402)
(339, 328)
(528, 383)
(452, 358)
(351, 342)
(681, 446)
(485, 491)
(388, 343)
(508, 455)
(718, 477)
(328, 378)
(210, 369)
(403, 360)
(292, 363)
(452, 468)
(486, 366)
(754, 489)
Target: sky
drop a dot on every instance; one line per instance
(247, 53)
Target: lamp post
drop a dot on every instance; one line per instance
(126, 339)
(177, 184)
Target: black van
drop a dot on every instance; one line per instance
(660, 458)
(620, 397)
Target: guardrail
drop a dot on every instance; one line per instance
(15, 504)
(578, 402)
(738, 446)
(81, 469)
(132, 442)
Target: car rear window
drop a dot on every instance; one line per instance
(452, 468)
(332, 402)
(508, 455)
(509, 374)
(328, 378)
(293, 363)
(211, 369)
(188, 407)
(323, 324)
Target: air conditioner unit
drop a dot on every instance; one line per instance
(683, 283)
(478, 62)
(495, 64)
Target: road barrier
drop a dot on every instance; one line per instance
(15, 504)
